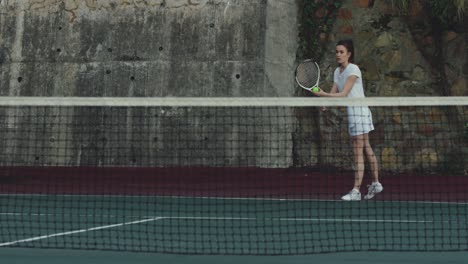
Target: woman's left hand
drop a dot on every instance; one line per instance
(319, 93)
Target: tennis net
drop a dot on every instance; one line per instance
(258, 176)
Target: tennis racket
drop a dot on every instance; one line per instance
(308, 75)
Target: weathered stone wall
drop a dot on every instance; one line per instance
(391, 55)
(393, 52)
(221, 48)
(146, 48)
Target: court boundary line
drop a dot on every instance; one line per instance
(236, 198)
(300, 219)
(157, 218)
(10, 243)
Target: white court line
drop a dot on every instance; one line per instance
(145, 216)
(157, 218)
(72, 215)
(211, 218)
(78, 231)
(26, 214)
(343, 220)
(235, 198)
(357, 220)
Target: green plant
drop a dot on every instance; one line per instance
(466, 132)
(447, 12)
(318, 17)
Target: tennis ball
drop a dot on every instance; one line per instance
(315, 89)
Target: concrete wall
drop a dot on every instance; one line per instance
(146, 48)
(206, 48)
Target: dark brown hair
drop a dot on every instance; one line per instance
(348, 44)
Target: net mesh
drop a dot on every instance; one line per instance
(231, 176)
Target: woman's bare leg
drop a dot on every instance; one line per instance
(358, 151)
(374, 168)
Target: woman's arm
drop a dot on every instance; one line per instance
(334, 88)
(334, 91)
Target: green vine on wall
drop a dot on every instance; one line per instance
(448, 14)
(440, 17)
(466, 132)
(317, 19)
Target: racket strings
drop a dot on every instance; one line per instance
(307, 74)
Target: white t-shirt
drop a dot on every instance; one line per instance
(340, 80)
(359, 117)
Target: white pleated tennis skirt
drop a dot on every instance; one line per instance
(359, 120)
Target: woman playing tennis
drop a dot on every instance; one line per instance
(347, 82)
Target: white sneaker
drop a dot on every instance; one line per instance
(353, 195)
(374, 189)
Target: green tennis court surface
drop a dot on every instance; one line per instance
(191, 225)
